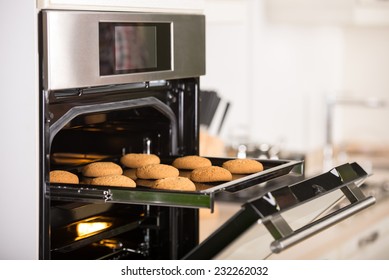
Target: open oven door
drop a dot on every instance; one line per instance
(269, 208)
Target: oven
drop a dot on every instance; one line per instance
(100, 101)
(114, 83)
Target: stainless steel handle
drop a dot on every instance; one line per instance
(311, 229)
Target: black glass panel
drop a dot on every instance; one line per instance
(134, 47)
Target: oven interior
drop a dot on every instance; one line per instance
(89, 125)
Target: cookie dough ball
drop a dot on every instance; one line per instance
(191, 162)
(156, 171)
(175, 183)
(134, 160)
(101, 168)
(243, 166)
(210, 174)
(62, 176)
(114, 180)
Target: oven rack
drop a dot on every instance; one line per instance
(203, 197)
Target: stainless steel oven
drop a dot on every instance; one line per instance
(114, 83)
(119, 82)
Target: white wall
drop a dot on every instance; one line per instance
(19, 131)
(279, 74)
(294, 70)
(228, 60)
(275, 75)
(366, 75)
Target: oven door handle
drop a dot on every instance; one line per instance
(315, 227)
(270, 207)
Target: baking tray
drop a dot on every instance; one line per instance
(203, 197)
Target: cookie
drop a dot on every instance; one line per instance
(156, 171)
(174, 183)
(191, 162)
(131, 173)
(134, 160)
(185, 173)
(145, 183)
(210, 174)
(101, 168)
(243, 166)
(114, 180)
(62, 176)
(86, 180)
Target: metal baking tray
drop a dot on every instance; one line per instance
(203, 197)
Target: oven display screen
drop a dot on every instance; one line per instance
(134, 47)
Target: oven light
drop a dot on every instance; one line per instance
(85, 229)
(109, 243)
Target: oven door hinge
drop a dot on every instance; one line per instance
(151, 222)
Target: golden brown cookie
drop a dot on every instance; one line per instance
(156, 171)
(86, 180)
(114, 180)
(130, 173)
(134, 160)
(101, 168)
(175, 183)
(210, 174)
(62, 176)
(185, 173)
(191, 162)
(243, 166)
(145, 183)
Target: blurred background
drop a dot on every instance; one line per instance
(303, 79)
(299, 76)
